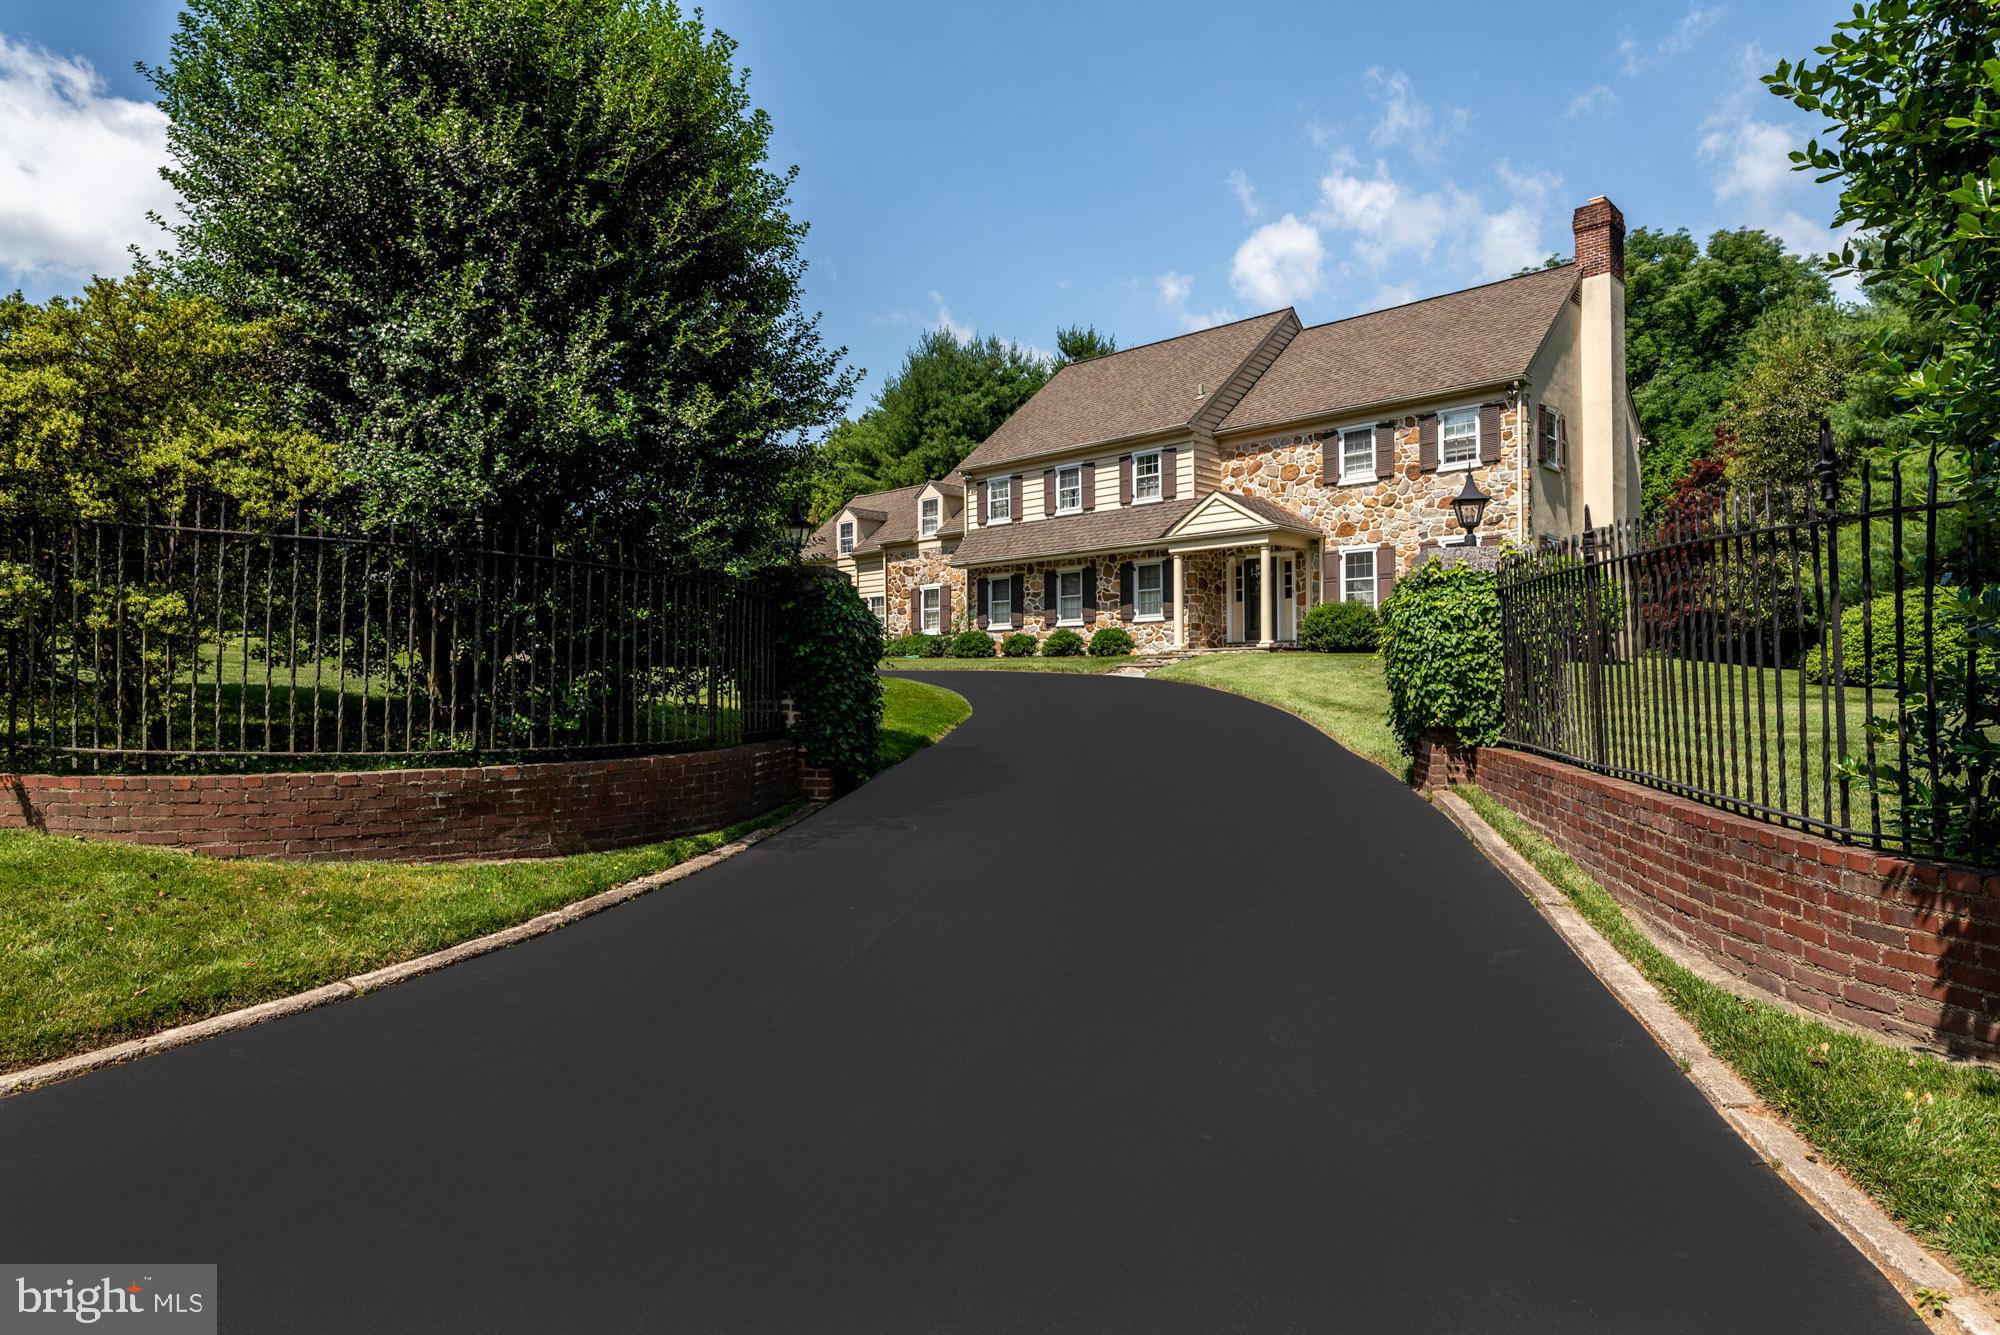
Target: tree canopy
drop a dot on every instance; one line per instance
(536, 267)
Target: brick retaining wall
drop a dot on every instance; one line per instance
(1905, 947)
(415, 815)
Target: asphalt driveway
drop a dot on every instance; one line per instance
(1130, 1006)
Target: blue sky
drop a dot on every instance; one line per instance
(1147, 168)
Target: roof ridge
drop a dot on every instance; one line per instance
(1440, 296)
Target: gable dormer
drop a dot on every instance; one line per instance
(940, 510)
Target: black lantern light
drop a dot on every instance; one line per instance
(1470, 507)
(798, 525)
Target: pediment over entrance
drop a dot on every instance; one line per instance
(1224, 514)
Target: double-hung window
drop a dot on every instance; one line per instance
(1550, 437)
(1357, 455)
(999, 500)
(1357, 576)
(930, 608)
(1069, 597)
(927, 517)
(1069, 489)
(880, 607)
(1146, 476)
(1000, 602)
(846, 536)
(1148, 585)
(1458, 438)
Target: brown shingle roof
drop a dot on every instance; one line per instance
(899, 508)
(1127, 393)
(1474, 337)
(1276, 513)
(1066, 535)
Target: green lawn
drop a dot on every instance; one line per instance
(1082, 663)
(915, 714)
(1920, 1135)
(110, 941)
(1340, 694)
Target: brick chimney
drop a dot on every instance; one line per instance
(1600, 239)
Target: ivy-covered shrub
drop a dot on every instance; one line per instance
(1441, 654)
(971, 644)
(1111, 642)
(1341, 628)
(1018, 645)
(1868, 652)
(914, 646)
(828, 646)
(1065, 643)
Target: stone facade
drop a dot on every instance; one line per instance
(1040, 621)
(1207, 596)
(1406, 509)
(902, 576)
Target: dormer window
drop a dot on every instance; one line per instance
(1146, 476)
(927, 517)
(846, 536)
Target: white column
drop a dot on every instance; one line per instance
(1180, 601)
(1267, 629)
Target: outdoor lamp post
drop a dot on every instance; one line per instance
(1470, 507)
(798, 526)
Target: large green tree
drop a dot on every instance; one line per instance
(538, 268)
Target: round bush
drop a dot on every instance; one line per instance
(828, 644)
(1065, 643)
(1340, 628)
(1441, 654)
(1018, 645)
(1872, 626)
(971, 644)
(1111, 642)
(910, 646)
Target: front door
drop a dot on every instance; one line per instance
(1250, 597)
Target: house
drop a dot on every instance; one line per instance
(1206, 490)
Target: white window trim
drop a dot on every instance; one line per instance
(1062, 509)
(1478, 443)
(1350, 550)
(1137, 455)
(1137, 615)
(878, 605)
(1562, 440)
(923, 611)
(1008, 581)
(1076, 620)
(845, 537)
(1007, 490)
(935, 521)
(1340, 435)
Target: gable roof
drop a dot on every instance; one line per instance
(895, 513)
(1473, 337)
(1132, 392)
(1250, 512)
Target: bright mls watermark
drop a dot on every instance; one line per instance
(170, 1299)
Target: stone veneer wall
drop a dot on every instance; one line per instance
(1040, 621)
(900, 577)
(1406, 508)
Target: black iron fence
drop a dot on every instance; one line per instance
(1786, 653)
(194, 642)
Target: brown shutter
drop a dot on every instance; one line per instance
(1169, 475)
(1014, 496)
(1332, 587)
(979, 503)
(1562, 441)
(1167, 588)
(1090, 486)
(1051, 584)
(1124, 479)
(1126, 575)
(1017, 598)
(944, 609)
(1048, 491)
(1385, 449)
(916, 611)
(1489, 433)
(982, 604)
(1090, 595)
(1385, 573)
(1427, 442)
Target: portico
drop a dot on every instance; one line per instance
(1264, 560)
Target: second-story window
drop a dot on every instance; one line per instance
(1146, 476)
(999, 500)
(1357, 454)
(927, 517)
(1459, 436)
(1069, 489)
(846, 536)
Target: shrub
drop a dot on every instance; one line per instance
(1441, 654)
(1111, 642)
(1341, 628)
(1857, 666)
(906, 646)
(828, 645)
(971, 644)
(1065, 643)
(1018, 645)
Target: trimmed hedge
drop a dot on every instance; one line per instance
(1441, 654)
(1065, 643)
(914, 646)
(970, 644)
(1111, 642)
(828, 646)
(1341, 628)
(1018, 645)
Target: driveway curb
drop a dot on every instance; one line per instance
(49, 1073)
(1901, 1258)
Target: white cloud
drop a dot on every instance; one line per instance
(1279, 263)
(1318, 131)
(1386, 219)
(1596, 100)
(1391, 294)
(1246, 193)
(944, 319)
(1636, 56)
(79, 167)
(1193, 320)
(1408, 122)
(1752, 158)
(1173, 287)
